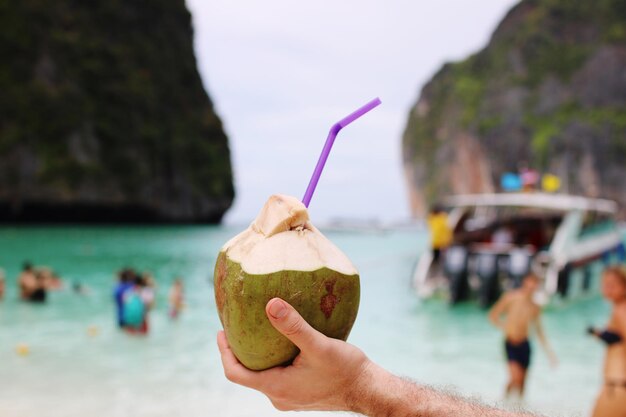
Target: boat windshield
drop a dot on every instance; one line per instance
(502, 225)
(595, 223)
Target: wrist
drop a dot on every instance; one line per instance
(362, 389)
(380, 393)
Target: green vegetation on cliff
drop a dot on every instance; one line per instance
(548, 90)
(102, 107)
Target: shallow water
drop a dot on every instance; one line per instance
(175, 371)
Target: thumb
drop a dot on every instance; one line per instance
(290, 323)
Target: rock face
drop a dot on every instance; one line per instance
(103, 116)
(548, 91)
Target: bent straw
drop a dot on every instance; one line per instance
(330, 140)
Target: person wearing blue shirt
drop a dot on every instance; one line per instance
(125, 282)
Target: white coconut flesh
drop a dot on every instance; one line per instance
(282, 238)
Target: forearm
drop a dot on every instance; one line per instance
(543, 341)
(496, 319)
(379, 393)
(385, 395)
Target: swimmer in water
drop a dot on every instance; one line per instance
(40, 292)
(2, 284)
(520, 314)
(79, 288)
(52, 281)
(148, 292)
(612, 399)
(176, 298)
(27, 281)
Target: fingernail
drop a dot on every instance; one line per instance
(277, 309)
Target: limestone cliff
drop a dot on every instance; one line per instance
(103, 116)
(549, 91)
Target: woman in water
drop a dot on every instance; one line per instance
(612, 399)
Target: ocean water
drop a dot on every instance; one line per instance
(175, 370)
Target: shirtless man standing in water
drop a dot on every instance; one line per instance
(520, 313)
(27, 281)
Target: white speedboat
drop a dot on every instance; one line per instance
(500, 238)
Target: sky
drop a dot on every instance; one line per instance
(281, 72)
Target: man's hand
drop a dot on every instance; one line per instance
(592, 331)
(332, 375)
(324, 376)
(552, 359)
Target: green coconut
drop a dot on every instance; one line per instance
(282, 255)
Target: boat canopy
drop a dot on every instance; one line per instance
(558, 202)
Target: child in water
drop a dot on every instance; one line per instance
(176, 298)
(136, 307)
(516, 314)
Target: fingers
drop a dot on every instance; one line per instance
(290, 323)
(233, 369)
(555, 361)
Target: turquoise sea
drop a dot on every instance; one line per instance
(175, 371)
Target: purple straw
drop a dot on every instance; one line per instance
(330, 140)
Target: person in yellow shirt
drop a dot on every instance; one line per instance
(440, 232)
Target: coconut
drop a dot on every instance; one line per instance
(282, 255)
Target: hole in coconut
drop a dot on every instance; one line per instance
(300, 228)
